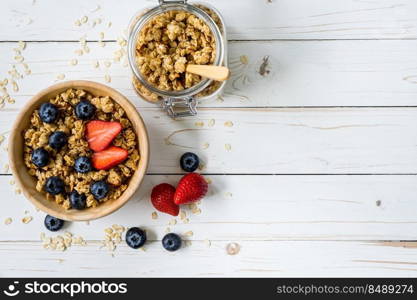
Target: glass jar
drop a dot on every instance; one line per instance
(179, 103)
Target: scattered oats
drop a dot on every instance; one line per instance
(86, 49)
(28, 72)
(154, 215)
(196, 211)
(101, 44)
(84, 19)
(18, 191)
(43, 236)
(228, 194)
(244, 59)
(107, 64)
(60, 76)
(186, 221)
(199, 124)
(183, 215)
(167, 230)
(96, 64)
(73, 62)
(27, 219)
(21, 45)
(109, 24)
(118, 228)
(77, 23)
(206, 145)
(107, 78)
(8, 221)
(233, 248)
(172, 222)
(188, 233)
(2, 138)
(12, 182)
(15, 86)
(6, 168)
(209, 181)
(108, 230)
(211, 123)
(228, 124)
(207, 243)
(79, 52)
(101, 35)
(83, 41)
(98, 20)
(19, 58)
(10, 100)
(188, 243)
(143, 249)
(228, 147)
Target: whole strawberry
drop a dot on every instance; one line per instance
(162, 198)
(192, 187)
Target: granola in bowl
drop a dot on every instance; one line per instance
(81, 149)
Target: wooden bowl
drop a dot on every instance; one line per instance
(28, 182)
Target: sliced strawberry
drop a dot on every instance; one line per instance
(100, 134)
(192, 187)
(109, 158)
(162, 198)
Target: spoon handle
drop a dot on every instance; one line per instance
(217, 73)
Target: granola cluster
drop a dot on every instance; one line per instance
(62, 161)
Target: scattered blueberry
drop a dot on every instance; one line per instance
(78, 201)
(54, 185)
(40, 157)
(57, 140)
(84, 110)
(171, 242)
(83, 164)
(48, 112)
(99, 189)
(135, 237)
(52, 223)
(189, 162)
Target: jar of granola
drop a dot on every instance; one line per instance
(163, 40)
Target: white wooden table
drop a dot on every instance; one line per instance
(321, 178)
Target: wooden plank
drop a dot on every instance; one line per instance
(255, 259)
(254, 208)
(284, 19)
(281, 141)
(301, 73)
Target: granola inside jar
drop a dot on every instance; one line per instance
(164, 40)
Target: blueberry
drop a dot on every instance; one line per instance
(48, 112)
(57, 140)
(40, 157)
(99, 189)
(171, 242)
(78, 201)
(54, 185)
(84, 110)
(83, 164)
(52, 223)
(189, 162)
(135, 237)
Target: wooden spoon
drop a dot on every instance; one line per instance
(217, 73)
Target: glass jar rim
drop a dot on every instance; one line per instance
(162, 8)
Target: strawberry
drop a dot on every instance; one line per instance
(101, 133)
(192, 187)
(162, 198)
(109, 158)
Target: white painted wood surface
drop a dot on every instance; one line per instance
(321, 179)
